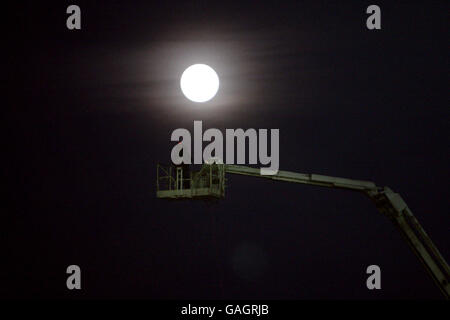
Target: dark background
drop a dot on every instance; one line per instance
(92, 112)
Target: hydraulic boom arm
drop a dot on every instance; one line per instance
(388, 202)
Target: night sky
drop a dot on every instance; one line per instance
(93, 110)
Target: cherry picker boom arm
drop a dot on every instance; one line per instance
(387, 202)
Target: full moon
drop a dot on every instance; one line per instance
(199, 83)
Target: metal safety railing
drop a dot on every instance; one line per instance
(180, 181)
